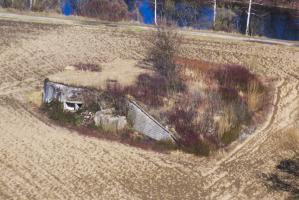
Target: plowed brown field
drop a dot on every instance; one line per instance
(39, 160)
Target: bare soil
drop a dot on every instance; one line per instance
(39, 160)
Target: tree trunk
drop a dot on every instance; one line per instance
(155, 12)
(248, 17)
(215, 12)
(30, 6)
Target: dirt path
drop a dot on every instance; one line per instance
(43, 161)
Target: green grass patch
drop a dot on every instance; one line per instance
(55, 112)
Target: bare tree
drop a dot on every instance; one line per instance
(163, 47)
(215, 12)
(248, 17)
(30, 5)
(156, 12)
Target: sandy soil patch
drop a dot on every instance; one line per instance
(123, 71)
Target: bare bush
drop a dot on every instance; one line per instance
(91, 101)
(233, 76)
(149, 89)
(191, 126)
(227, 121)
(115, 94)
(164, 45)
(37, 5)
(44, 5)
(198, 68)
(112, 10)
(88, 67)
(232, 95)
(226, 20)
(19, 4)
(255, 96)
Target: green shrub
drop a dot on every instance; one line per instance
(231, 135)
(55, 112)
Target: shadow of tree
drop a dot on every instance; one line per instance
(289, 166)
(285, 177)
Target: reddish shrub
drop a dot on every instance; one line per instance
(88, 67)
(228, 94)
(233, 76)
(149, 89)
(192, 139)
(196, 66)
(115, 94)
(184, 118)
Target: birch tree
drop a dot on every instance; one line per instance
(30, 6)
(248, 17)
(215, 12)
(156, 12)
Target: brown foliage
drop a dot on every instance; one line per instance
(149, 89)
(233, 94)
(88, 67)
(112, 10)
(164, 45)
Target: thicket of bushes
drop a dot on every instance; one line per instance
(113, 10)
(205, 119)
(226, 20)
(37, 5)
(163, 45)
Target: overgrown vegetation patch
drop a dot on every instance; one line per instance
(111, 101)
(205, 105)
(55, 111)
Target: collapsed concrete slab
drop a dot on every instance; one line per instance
(146, 124)
(71, 97)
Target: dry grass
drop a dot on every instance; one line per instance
(255, 97)
(232, 93)
(289, 139)
(194, 69)
(227, 121)
(124, 72)
(35, 97)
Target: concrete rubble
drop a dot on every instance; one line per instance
(107, 121)
(73, 99)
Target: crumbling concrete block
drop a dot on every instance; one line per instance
(109, 122)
